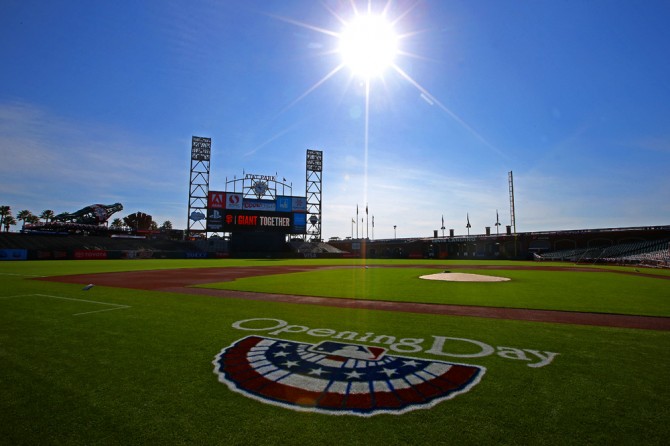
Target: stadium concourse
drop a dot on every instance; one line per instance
(645, 246)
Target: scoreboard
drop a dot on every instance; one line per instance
(231, 212)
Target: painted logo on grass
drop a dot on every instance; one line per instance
(339, 378)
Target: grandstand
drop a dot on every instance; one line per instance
(636, 245)
(652, 253)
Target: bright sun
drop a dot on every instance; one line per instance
(368, 46)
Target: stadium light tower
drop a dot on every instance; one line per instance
(510, 178)
(314, 187)
(198, 189)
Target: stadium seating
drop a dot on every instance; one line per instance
(648, 252)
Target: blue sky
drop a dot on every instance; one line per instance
(99, 100)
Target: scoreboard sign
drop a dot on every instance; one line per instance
(231, 212)
(234, 221)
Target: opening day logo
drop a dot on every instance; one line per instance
(345, 375)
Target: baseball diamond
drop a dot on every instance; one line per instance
(181, 281)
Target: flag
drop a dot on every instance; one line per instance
(373, 221)
(443, 222)
(366, 209)
(468, 225)
(497, 219)
(353, 221)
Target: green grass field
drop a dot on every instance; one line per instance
(113, 365)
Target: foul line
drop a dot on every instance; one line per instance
(117, 306)
(19, 275)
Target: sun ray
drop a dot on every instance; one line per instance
(313, 87)
(444, 108)
(306, 25)
(366, 140)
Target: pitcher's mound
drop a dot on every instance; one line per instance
(464, 277)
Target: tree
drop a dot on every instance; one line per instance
(33, 219)
(5, 212)
(166, 226)
(117, 224)
(47, 215)
(24, 215)
(8, 221)
(139, 221)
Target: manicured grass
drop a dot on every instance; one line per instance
(142, 372)
(605, 292)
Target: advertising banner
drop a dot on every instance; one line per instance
(50, 255)
(299, 223)
(259, 205)
(214, 220)
(261, 221)
(299, 204)
(216, 200)
(13, 254)
(284, 204)
(233, 201)
(90, 254)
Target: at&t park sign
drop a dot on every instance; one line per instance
(251, 176)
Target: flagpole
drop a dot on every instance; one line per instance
(356, 221)
(367, 222)
(497, 223)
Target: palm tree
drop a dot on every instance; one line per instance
(9, 220)
(47, 215)
(5, 212)
(117, 223)
(24, 215)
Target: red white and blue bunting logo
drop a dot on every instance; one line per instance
(339, 378)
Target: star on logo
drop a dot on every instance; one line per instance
(282, 345)
(411, 363)
(353, 375)
(280, 354)
(317, 372)
(389, 372)
(290, 364)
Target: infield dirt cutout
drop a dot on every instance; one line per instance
(464, 277)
